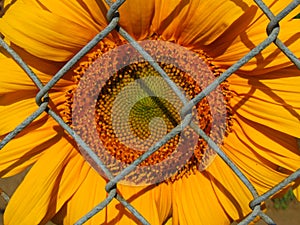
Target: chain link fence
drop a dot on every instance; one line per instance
(113, 18)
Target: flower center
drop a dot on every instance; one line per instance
(134, 108)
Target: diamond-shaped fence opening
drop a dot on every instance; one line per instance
(113, 16)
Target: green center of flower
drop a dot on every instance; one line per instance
(136, 108)
(149, 108)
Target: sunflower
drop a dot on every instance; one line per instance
(261, 102)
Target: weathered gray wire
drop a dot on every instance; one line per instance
(38, 83)
(272, 37)
(114, 6)
(145, 54)
(132, 210)
(186, 121)
(266, 218)
(276, 188)
(81, 143)
(154, 64)
(274, 21)
(111, 26)
(216, 148)
(99, 207)
(111, 187)
(256, 212)
(4, 195)
(188, 105)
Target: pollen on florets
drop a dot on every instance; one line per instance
(142, 120)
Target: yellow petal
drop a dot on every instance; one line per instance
(67, 183)
(15, 107)
(196, 23)
(195, 202)
(4, 5)
(277, 147)
(169, 221)
(79, 12)
(98, 11)
(13, 78)
(136, 17)
(40, 66)
(30, 203)
(7, 2)
(27, 147)
(296, 192)
(231, 193)
(227, 51)
(153, 202)
(273, 102)
(90, 191)
(44, 34)
(258, 146)
(264, 155)
(147, 200)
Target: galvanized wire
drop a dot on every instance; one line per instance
(111, 26)
(274, 21)
(38, 83)
(99, 207)
(272, 30)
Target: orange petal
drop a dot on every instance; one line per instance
(30, 203)
(195, 202)
(273, 102)
(97, 10)
(28, 146)
(136, 17)
(81, 202)
(17, 106)
(23, 150)
(153, 202)
(14, 78)
(231, 193)
(296, 192)
(264, 155)
(279, 148)
(45, 34)
(253, 144)
(197, 23)
(82, 13)
(147, 200)
(38, 65)
(17, 94)
(229, 49)
(67, 183)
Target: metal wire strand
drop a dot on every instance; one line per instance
(274, 21)
(273, 35)
(43, 106)
(113, 18)
(149, 152)
(98, 208)
(111, 26)
(276, 188)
